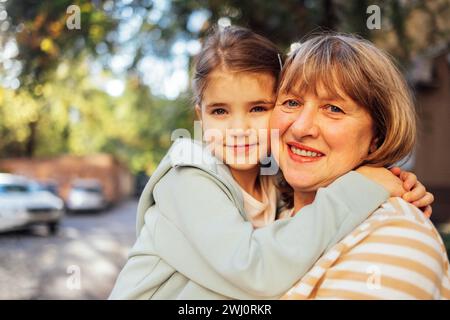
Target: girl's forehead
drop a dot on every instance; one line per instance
(224, 74)
(239, 85)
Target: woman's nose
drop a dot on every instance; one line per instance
(306, 124)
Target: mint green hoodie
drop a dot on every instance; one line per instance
(194, 241)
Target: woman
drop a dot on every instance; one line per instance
(343, 99)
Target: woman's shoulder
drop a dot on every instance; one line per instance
(396, 212)
(397, 246)
(401, 240)
(399, 223)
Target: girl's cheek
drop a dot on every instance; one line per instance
(262, 123)
(212, 125)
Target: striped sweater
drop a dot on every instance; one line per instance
(395, 254)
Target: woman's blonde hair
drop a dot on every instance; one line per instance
(367, 75)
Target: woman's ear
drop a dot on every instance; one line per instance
(198, 112)
(373, 145)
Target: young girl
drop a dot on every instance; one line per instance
(196, 216)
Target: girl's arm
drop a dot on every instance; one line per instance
(265, 262)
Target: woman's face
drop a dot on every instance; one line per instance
(235, 112)
(321, 137)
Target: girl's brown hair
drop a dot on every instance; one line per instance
(369, 77)
(234, 49)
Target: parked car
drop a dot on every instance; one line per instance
(86, 195)
(48, 185)
(22, 204)
(12, 216)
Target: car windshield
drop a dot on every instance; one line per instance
(88, 189)
(10, 188)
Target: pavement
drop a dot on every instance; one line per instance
(81, 261)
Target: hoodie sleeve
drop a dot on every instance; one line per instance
(265, 262)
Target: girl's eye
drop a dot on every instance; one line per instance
(291, 103)
(258, 109)
(334, 109)
(219, 112)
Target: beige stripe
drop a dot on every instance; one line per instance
(411, 225)
(343, 294)
(445, 293)
(400, 208)
(386, 281)
(310, 280)
(325, 261)
(396, 261)
(407, 242)
(293, 296)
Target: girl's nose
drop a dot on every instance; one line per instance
(239, 127)
(239, 132)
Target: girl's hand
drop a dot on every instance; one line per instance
(415, 193)
(385, 178)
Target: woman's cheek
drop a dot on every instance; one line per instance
(280, 120)
(348, 142)
(276, 129)
(273, 119)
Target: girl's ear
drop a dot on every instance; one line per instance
(198, 112)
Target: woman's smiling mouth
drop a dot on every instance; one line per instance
(302, 153)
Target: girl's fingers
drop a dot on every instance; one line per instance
(427, 211)
(424, 201)
(396, 171)
(409, 180)
(416, 194)
(403, 175)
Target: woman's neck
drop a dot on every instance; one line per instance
(248, 180)
(302, 199)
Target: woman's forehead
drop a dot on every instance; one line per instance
(319, 89)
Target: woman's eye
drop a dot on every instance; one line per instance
(219, 112)
(334, 109)
(258, 109)
(291, 103)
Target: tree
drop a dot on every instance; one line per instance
(52, 80)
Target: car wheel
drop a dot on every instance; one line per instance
(53, 227)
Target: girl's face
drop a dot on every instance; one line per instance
(321, 137)
(235, 112)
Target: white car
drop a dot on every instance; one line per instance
(86, 195)
(12, 216)
(23, 204)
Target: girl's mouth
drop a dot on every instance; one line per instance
(241, 147)
(302, 153)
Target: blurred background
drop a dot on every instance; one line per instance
(90, 92)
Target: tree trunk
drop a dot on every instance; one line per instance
(30, 145)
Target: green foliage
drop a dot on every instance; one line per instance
(44, 40)
(61, 107)
(73, 114)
